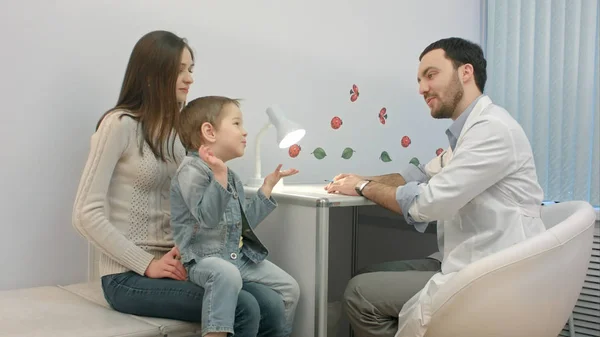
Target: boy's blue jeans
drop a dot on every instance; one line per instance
(223, 280)
(259, 309)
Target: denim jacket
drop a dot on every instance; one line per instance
(208, 220)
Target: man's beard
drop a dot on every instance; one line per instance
(455, 94)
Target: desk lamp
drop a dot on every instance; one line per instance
(288, 134)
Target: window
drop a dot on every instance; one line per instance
(543, 68)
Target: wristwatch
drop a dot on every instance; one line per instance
(360, 186)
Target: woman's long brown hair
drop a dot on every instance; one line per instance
(149, 89)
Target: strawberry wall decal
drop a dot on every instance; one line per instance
(382, 115)
(354, 93)
(439, 151)
(385, 157)
(294, 150)
(336, 122)
(414, 161)
(319, 153)
(405, 141)
(347, 153)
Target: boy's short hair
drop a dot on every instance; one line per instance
(197, 112)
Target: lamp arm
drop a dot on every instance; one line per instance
(257, 169)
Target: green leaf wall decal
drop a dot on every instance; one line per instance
(348, 152)
(385, 157)
(319, 153)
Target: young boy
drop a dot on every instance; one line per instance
(212, 222)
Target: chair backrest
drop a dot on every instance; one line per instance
(529, 289)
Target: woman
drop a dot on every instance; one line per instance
(122, 204)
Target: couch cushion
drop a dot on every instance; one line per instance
(52, 311)
(92, 291)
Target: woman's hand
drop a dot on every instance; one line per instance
(169, 266)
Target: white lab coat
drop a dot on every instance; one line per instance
(485, 197)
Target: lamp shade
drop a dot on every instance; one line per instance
(288, 132)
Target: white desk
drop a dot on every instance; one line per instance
(297, 236)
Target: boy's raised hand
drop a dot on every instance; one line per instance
(215, 164)
(273, 178)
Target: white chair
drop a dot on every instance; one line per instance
(527, 290)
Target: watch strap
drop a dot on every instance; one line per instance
(359, 187)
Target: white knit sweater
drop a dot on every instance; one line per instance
(122, 204)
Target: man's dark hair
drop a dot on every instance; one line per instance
(461, 51)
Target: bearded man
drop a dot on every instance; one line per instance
(483, 192)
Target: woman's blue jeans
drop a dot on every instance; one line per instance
(259, 310)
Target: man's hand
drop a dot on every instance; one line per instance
(343, 176)
(344, 184)
(169, 266)
(273, 178)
